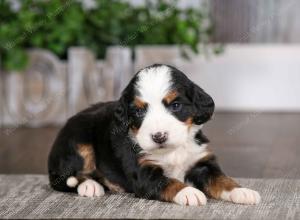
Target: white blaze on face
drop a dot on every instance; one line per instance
(153, 85)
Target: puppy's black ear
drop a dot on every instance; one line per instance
(121, 118)
(203, 104)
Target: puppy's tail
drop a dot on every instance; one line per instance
(63, 183)
(72, 182)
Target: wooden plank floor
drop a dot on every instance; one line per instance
(258, 145)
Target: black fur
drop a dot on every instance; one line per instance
(91, 126)
(105, 126)
(204, 172)
(200, 103)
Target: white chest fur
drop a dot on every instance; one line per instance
(176, 162)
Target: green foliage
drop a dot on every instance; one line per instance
(58, 24)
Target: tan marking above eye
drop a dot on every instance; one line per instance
(170, 96)
(139, 103)
(86, 151)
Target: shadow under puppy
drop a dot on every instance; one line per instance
(149, 142)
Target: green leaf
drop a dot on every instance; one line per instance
(15, 59)
(57, 25)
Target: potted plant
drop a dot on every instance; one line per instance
(57, 25)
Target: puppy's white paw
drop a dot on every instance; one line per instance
(90, 188)
(242, 196)
(190, 196)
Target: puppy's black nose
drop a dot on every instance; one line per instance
(160, 137)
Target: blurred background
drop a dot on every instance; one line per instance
(57, 57)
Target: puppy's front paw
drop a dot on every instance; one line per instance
(190, 196)
(90, 188)
(242, 196)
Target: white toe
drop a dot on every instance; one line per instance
(72, 182)
(90, 188)
(81, 189)
(99, 190)
(242, 196)
(190, 196)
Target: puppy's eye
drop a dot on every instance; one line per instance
(175, 107)
(140, 112)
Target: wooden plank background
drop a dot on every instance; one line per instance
(256, 21)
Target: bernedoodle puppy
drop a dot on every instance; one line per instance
(149, 143)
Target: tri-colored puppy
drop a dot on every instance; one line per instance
(149, 142)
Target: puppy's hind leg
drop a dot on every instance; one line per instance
(75, 171)
(86, 182)
(61, 169)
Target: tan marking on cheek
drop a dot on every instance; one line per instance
(112, 186)
(171, 190)
(86, 151)
(189, 122)
(170, 97)
(139, 103)
(144, 161)
(208, 156)
(219, 184)
(134, 130)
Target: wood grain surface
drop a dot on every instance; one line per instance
(263, 145)
(256, 21)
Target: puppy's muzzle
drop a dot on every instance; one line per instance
(160, 137)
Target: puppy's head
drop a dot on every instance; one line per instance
(162, 108)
